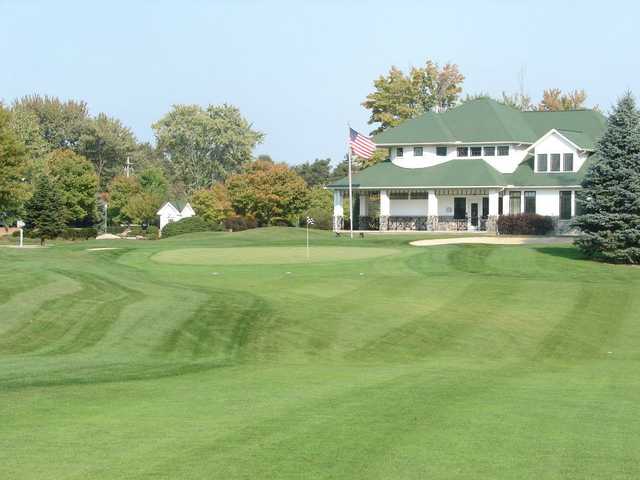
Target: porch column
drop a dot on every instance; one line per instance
(432, 210)
(494, 199)
(573, 203)
(338, 211)
(385, 209)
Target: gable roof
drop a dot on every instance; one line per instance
(177, 205)
(485, 120)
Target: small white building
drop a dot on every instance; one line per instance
(174, 211)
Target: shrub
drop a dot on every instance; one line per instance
(136, 231)
(322, 219)
(279, 222)
(524, 224)
(188, 225)
(152, 232)
(79, 233)
(237, 223)
(115, 229)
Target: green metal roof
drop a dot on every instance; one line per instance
(485, 120)
(454, 173)
(460, 173)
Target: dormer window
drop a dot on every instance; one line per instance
(489, 151)
(463, 151)
(417, 151)
(503, 150)
(476, 151)
(542, 162)
(567, 162)
(555, 162)
(399, 152)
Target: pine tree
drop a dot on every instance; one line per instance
(45, 210)
(610, 199)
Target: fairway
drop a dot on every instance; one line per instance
(267, 255)
(373, 359)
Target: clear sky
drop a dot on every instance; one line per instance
(298, 70)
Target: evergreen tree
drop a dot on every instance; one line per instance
(45, 210)
(610, 199)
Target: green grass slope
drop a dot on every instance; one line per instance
(230, 356)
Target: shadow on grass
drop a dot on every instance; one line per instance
(569, 252)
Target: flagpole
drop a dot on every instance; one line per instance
(350, 188)
(307, 237)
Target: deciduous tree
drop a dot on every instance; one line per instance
(212, 204)
(203, 146)
(14, 190)
(267, 190)
(399, 96)
(610, 199)
(76, 180)
(554, 100)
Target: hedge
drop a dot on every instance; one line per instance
(237, 223)
(524, 224)
(69, 233)
(188, 225)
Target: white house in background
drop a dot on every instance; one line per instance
(174, 211)
(461, 169)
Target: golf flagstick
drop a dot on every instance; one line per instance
(309, 222)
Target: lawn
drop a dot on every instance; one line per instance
(230, 356)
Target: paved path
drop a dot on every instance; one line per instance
(506, 240)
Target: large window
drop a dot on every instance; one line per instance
(565, 205)
(529, 202)
(459, 208)
(514, 203)
(441, 151)
(555, 162)
(503, 150)
(417, 151)
(476, 151)
(489, 151)
(399, 152)
(463, 151)
(485, 207)
(542, 162)
(567, 162)
(500, 205)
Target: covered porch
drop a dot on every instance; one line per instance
(420, 209)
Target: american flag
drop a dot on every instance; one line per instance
(360, 145)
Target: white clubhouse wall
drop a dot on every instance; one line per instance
(554, 143)
(408, 208)
(504, 164)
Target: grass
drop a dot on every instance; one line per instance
(230, 356)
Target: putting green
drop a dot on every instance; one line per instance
(267, 255)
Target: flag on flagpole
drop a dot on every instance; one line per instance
(310, 221)
(361, 145)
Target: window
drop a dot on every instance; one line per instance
(565, 205)
(529, 202)
(419, 195)
(476, 151)
(441, 151)
(463, 151)
(567, 162)
(399, 195)
(503, 150)
(555, 162)
(514, 202)
(489, 151)
(543, 163)
(417, 151)
(459, 208)
(500, 204)
(485, 207)
(399, 152)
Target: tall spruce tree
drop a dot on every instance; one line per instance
(610, 199)
(45, 210)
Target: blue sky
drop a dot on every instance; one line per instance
(299, 70)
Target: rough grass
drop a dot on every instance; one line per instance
(460, 361)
